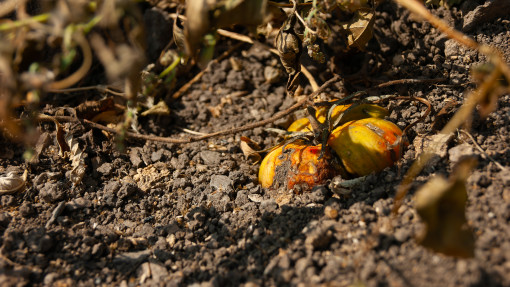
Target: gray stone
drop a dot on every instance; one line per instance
(268, 205)
(461, 151)
(210, 157)
(222, 183)
(105, 168)
(157, 155)
(78, 203)
(135, 157)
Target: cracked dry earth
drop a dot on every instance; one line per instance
(193, 214)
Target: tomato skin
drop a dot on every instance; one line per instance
(295, 164)
(367, 145)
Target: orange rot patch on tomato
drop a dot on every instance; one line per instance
(296, 164)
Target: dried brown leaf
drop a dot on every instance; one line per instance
(90, 109)
(250, 149)
(360, 29)
(290, 47)
(153, 176)
(62, 144)
(159, 109)
(441, 204)
(42, 143)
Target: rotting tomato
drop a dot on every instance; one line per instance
(357, 112)
(367, 145)
(296, 164)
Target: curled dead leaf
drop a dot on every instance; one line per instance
(159, 109)
(289, 48)
(77, 157)
(12, 182)
(441, 204)
(62, 144)
(178, 35)
(250, 149)
(360, 28)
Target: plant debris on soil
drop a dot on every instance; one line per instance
(148, 213)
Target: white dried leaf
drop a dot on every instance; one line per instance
(77, 160)
(12, 182)
(152, 176)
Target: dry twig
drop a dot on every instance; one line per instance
(501, 167)
(132, 135)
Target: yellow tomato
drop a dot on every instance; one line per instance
(367, 145)
(295, 164)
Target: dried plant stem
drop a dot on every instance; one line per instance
(131, 135)
(84, 68)
(304, 23)
(100, 88)
(310, 78)
(284, 5)
(457, 120)
(473, 99)
(501, 167)
(418, 8)
(407, 82)
(235, 36)
(24, 22)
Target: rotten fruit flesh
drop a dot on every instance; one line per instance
(295, 164)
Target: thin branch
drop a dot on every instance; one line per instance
(284, 5)
(407, 82)
(497, 57)
(100, 88)
(458, 119)
(132, 135)
(235, 36)
(501, 167)
(304, 23)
